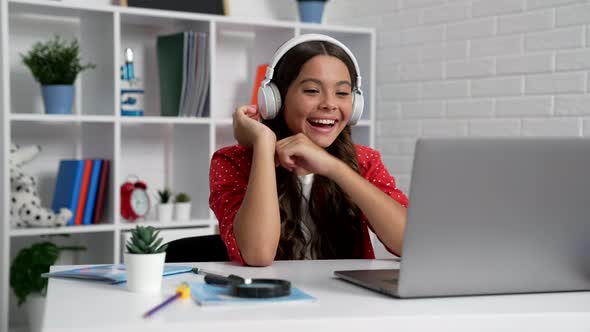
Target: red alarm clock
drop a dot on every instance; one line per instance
(135, 201)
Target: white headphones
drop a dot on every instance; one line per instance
(269, 97)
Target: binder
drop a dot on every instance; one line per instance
(171, 68)
(83, 192)
(92, 191)
(183, 64)
(101, 195)
(67, 187)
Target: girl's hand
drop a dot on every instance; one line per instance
(248, 130)
(299, 152)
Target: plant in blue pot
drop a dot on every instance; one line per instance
(55, 64)
(311, 11)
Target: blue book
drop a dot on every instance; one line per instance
(67, 186)
(92, 190)
(205, 295)
(112, 273)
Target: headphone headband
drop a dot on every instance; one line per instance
(269, 96)
(305, 38)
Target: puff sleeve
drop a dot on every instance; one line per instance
(228, 180)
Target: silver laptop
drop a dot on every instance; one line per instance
(493, 216)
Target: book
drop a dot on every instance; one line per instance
(67, 186)
(212, 295)
(111, 273)
(103, 186)
(203, 74)
(188, 39)
(172, 63)
(260, 73)
(92, 191)
(83, 192)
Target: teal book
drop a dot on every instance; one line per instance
(67, 187)
(171, 69)
(92, 191)
(112, 273)
(212, 295)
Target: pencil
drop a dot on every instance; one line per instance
(183, 291)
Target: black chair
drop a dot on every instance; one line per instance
(206, 248)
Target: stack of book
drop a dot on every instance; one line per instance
(183, 67)
(82, 186)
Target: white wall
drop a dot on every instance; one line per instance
(474, 68)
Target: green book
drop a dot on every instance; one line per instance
(171, 68)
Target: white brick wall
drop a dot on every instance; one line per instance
(475, 68)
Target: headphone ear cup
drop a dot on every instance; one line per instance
(358, 103)
(277, 98)
(269, 101)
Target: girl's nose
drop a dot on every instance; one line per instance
(328, 103)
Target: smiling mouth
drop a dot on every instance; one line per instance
(324, 123)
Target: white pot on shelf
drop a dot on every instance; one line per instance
(144, 272)
(165, 212)
(35, 309)
(182, 211)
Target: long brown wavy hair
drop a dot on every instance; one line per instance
(338, 225)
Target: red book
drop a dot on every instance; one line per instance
(260, 72)
(103, 186)
(83, 192)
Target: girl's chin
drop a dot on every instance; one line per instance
(322, 141)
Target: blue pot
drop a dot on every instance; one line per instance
(311, 11)
(58, 98)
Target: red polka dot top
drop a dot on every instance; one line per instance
(228, 180)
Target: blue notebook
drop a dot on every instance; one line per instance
(67, 186)
(92, 190)
(205, 295)
(112, 273)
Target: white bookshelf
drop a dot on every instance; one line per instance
(162, 151)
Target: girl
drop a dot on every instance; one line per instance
(296, 187)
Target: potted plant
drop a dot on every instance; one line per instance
(311, 11)
(55, 64)
(144, 260)
(26, 281)
(182, 206)
(165, 205)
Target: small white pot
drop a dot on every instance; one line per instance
(35, 309)
(183, 211)
(144, 272)
(165, 212)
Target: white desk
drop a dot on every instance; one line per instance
(74, 305)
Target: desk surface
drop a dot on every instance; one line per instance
(75, 305)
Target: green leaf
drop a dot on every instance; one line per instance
(157, 243)
(134, 250)
(140, 244)
(27, 267)
(55, 62)
(162, 248)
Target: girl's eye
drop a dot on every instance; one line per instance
(342, 93)
(310, 91)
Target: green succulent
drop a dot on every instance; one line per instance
(182, 198)
(145, 240)
(55, 61)
(164, 195)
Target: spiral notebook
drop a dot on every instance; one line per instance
(212, 295)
